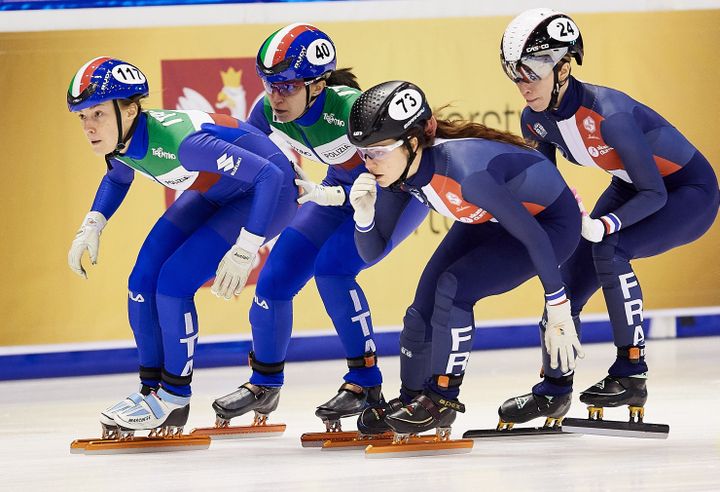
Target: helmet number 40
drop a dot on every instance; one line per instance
(320, 52)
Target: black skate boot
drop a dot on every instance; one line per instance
(372, 420)
(261, 399)
(426, 412)
(350, 400)
(527, 407)
(617, 392)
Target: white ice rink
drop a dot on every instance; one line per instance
(39, 419)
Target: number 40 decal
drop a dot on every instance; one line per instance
(320, 52)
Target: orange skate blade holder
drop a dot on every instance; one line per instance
(384, 439)
(317, 439)
(240, 431)
(357, 441)
(419, 446)
(139, 445)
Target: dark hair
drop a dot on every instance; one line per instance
(137, 99)
(459, 128)
(343, 76)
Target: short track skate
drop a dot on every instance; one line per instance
(424, 413)
(350, 401)
(249, 397)
(617, 392)
(522, 409)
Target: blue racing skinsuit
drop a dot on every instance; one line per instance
(232, 177)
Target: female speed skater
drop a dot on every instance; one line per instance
(515, 218)
(238, 190)
(307, 102)
(663, 194)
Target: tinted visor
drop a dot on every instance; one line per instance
(532, 68)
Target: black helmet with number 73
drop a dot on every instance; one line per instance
(395, 110)
(535, 42)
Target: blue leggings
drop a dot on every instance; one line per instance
(689, 212)
(471, 263)
(319, 243)
(180, 254)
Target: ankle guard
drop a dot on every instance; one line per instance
(264, 368)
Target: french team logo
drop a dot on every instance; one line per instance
(540, 130)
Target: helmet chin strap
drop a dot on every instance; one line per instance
(397, 184)
(557, 85)
(121, 143)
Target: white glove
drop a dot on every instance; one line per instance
(561, 340)
(320, 194)
(234, 269)
(362, 198)
(592, 229)
(87, 238)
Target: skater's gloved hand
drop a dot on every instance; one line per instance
(362, 198)
(592, 229)
(234, 269)
(318, 193)
(561, 340)
(87, 238)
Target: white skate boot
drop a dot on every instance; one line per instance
(162, 413)
(107, 417)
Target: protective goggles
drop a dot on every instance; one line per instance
(287, 88)
(379, 151)
(534, 67)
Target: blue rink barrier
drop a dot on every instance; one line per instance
(305, 348)
(87, 4)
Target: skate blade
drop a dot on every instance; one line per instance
(139, 445)
(516, 432)
(316, 439)
(357, 442)
(433, 448)
(240, 431)
(616, 428)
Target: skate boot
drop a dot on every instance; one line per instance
(615, 392)
(372, 420)
(527, 407)
(162, 413)
(427, 411)
(107, 417)
(262, 400)
(350, 400)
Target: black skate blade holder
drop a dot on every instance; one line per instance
(615, 428)
(516, 432)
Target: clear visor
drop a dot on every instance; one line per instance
(532, 68)
(379, 151)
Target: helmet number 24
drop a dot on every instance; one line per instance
(563, 30)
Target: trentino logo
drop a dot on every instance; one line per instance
(163, 154)
(333, 120)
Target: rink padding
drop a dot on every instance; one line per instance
(304, 348)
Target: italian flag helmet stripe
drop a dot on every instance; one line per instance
(82, 78)
(276, 46)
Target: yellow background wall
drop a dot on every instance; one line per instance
(50, 175)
